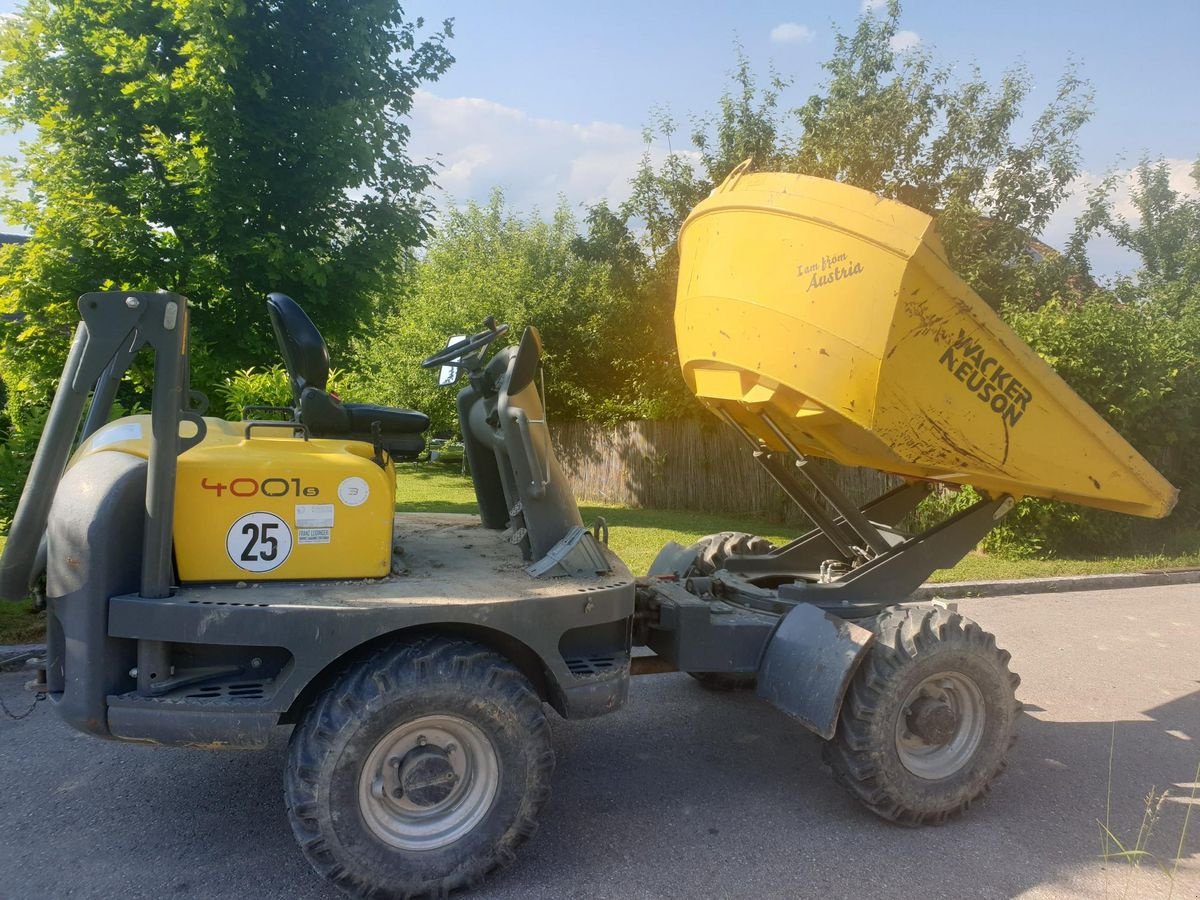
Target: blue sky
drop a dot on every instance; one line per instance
(614, 61)
(549, 99)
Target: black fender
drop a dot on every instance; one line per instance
(807, 665)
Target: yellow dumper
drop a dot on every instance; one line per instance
(206, 582)
(820, 316)
(819, 319)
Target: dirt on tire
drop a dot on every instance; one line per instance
(434, 675)
(912, 644)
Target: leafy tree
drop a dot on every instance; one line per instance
(893, 123)
(220, 148)
(1165, 234)
(487, 261)
(1135, 364)
(900, 125)
(1131, 350)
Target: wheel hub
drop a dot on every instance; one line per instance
(940, 725)
(428, 782)
(427, 776)
(933, 721)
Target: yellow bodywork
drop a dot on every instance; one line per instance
(271, 506)
(833, 315)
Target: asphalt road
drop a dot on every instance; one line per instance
(686, 793)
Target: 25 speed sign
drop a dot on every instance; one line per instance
(259, 542)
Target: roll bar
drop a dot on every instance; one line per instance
(114, 326)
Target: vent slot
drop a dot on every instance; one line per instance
(591, 665)
(242, 690)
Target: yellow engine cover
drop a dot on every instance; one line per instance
(272, 506)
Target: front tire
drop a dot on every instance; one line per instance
(420, 771)
(928, 719)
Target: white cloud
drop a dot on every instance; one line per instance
(904, 40)
(1179, 177)
(1106, 256)
(872, 6)
(791, 33)
(482, 145)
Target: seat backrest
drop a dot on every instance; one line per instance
(304, 352)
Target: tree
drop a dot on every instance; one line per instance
(1164, 233)
(219, 148)
(899, 125)
(486, 261)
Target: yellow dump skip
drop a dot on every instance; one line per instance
(832, 315)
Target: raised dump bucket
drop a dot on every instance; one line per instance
(831, 314)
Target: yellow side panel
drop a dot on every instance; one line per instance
(272, 507)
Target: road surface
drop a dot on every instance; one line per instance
(685, 793)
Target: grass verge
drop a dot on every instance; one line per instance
(19, 624)
(638, 534)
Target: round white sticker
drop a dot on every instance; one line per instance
(259, 542)
(354, 491)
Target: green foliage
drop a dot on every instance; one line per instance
(991, 172)
(1133, 353)
(1165, 235)
(16, 456)
(487, 261)
(267, 387)
(220, 148)
(254, 387)
(1136, 364)
(1131, 361)
(899, 125)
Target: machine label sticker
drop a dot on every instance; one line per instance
(130, 431)
(259, 542)
(314, 515)
(354, 491)
(313, 535)
(268, 487)
(968, 361)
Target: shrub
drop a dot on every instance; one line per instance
(16, 456)
(268, 387)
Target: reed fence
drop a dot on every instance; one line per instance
(686, 464)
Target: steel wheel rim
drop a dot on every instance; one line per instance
(935, 760)
(396, 819)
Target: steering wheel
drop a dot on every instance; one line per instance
(456, 352)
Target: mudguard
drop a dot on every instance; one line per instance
(808, 663)
(673, 559)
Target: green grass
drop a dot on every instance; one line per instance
(978, 567)
(636, 535)
(19, 624)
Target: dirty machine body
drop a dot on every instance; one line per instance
(208, 581)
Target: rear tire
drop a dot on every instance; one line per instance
(711, 551)
(419, 771)
(929, 717)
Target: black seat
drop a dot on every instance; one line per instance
(306, 359)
